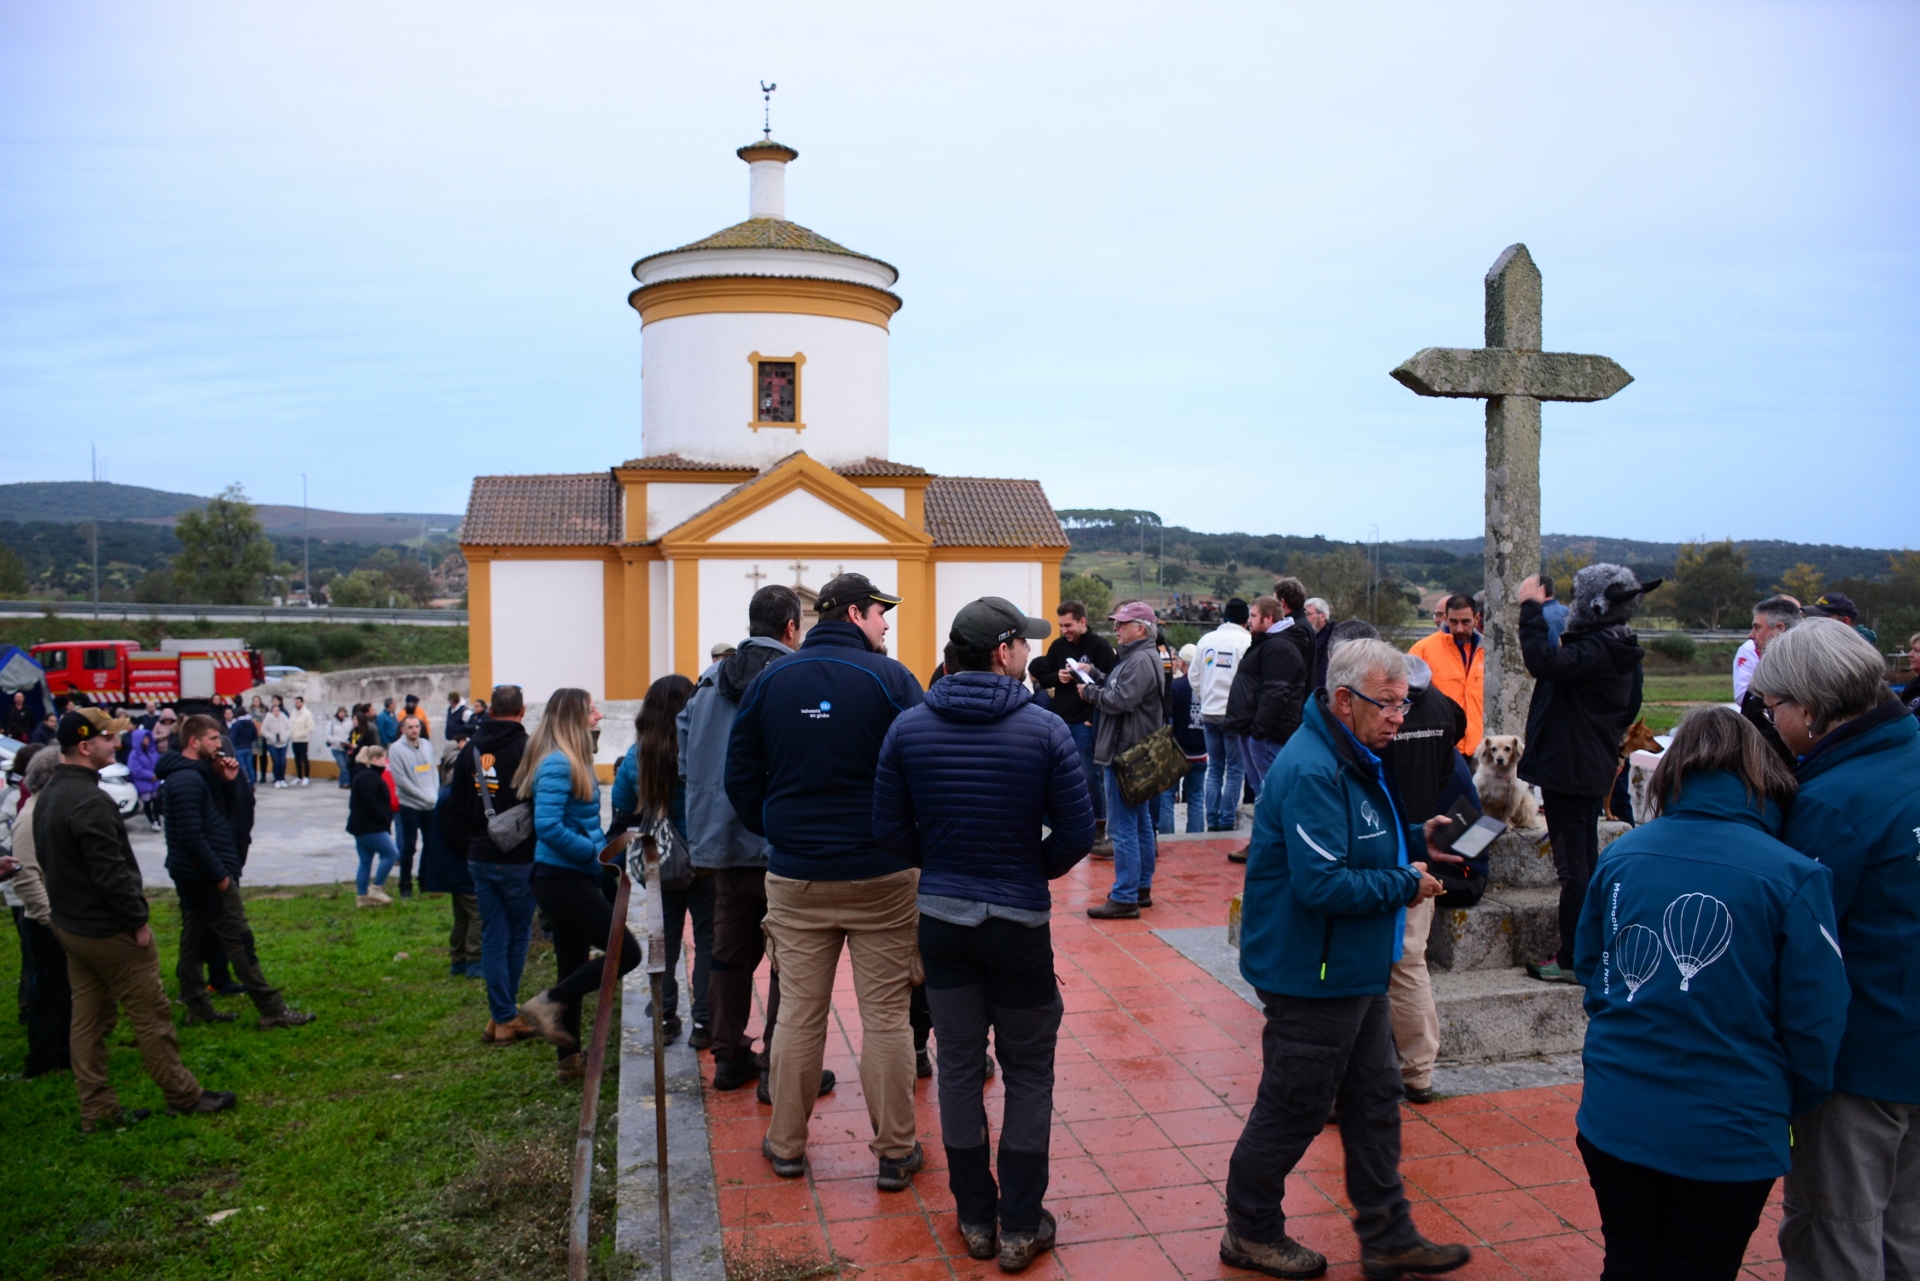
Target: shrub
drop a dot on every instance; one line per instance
(341, 642)
(1676, 647)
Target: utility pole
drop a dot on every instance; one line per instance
(93, 519)
(306, 553)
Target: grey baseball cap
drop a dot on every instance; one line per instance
(991, 620)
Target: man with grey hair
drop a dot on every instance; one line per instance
(1771, 617)
(1330, 877)
(1853, 1194)
(1319, 618)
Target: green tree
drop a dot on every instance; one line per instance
(1803, 582)
(1091, 592)
(362, 589)
(1346, 580)
(225, 553)
(13, 573)
(1562, 566)
(1712, 584)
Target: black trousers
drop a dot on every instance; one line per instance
(1314, 1052)
(1661, 1227)
(739, 906)
(582, 920)
(49, 1001)
(210, 914)
(996, 975)
(695, 901)
(1573, 825)
(302, 768)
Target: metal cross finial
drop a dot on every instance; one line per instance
(766, 123)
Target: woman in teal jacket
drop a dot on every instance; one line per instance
(1853, 1198)
(557, 771)
(1716, 997)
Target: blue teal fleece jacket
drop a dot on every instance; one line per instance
(1715, 991)
(626, 792)
(566, 831)
(1858, 812)
(1328, 878)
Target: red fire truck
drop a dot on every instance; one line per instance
(119, 671)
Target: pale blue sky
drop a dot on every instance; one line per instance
(1154, 255)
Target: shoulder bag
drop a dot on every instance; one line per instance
(507, 831)
(1150, 766)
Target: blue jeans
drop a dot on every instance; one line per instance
(1083, 735)
(1259, 756)
(505, 894)
(246, 765)
(278, 755)
(366, 847)
(1223, 779)
(1195, 787)
(340, 760)
(1130, 827)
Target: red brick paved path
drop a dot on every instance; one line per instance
(1157, 1066)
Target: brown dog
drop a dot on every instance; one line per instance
(1638, 739)
(1497, 779)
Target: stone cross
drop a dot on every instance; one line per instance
(756, 576)
(1513, 376)
(799, 569)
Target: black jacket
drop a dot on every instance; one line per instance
(369, 804)
(497, 745)
(1270, 687)
(1420, 757)
(1065, 700)
(92, 878)
(1754, 708)
(1586, 694)
(200, 844)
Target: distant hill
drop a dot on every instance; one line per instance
(67, 501)
(1768, 558)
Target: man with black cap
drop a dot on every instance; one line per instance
(1840, 605)
(800, 767)
(99, 913)
(965, 783)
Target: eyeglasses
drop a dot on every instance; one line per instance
(1399, 709)
(1769, 709)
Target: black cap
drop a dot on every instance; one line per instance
(843, 590)
(84, 723)
(1834, 605)
(989, 621)
(1235, 611)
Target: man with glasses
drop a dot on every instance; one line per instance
(1129, 702)
(1772, 617)
(1330, 876)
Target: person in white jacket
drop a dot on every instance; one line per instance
(415, 769)
(339, 734)
(276, 731)
(300, 736)
(1216, 657)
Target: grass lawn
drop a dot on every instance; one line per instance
(382, 1140)
(1666, 697)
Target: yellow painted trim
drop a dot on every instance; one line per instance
(799, 423)
(480, 625)
(790, 295)
(917, 646)
(686, 619)
(637, 601)
(633, 524)
(797, 472)
(917, 506)
(613, 630)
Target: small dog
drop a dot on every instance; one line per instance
(1638, 739)
(1502, 794)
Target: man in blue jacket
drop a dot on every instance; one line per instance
(965, 783)
(1329, 880)
(800, 766)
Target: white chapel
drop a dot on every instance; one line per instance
(764, 458)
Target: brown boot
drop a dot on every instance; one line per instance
(1425, 1258)
(573, 1069)
(543, 1014)
(514, 1029)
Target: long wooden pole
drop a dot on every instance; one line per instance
(596, 1063)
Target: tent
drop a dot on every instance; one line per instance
(19, 674)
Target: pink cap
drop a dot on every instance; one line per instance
(1134, 611)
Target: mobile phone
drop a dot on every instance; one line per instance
(1468, 832)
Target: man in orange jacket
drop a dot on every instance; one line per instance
(1458, 660)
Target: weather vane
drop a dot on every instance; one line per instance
(766, 124)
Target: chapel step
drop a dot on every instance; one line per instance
(1487, 1016)
(1506, 928)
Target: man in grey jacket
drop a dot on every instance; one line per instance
(1131, 705)
(415, 769)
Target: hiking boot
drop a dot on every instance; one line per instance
(514, 1029)
(1421, 1094)
(1113, 911)
(210, 1101)
(983, 1240)
(896, 1172)
(764, 1095)
(1143, 899)
(208, 1015)
(1550, 971)
(922, 1063)
(544, 1013)
(1018, 1249)
(119, 1119)
(286, 1018)
(734, 1071)
(1284, 1258)
(572, 1069)
(1239, 855)
(702, 1038)
(670, 1028)
(1419, 1259)
(787, 1167)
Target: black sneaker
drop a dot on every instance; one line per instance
(1421, 1094)
(1110, 910)
(670, 1028)
(1143, 899)
(787, 1167)
(210, 1101)
(896, 1172)
(764, 1093)
(702, 1038)
(228, 988)
(734, 1071)
(922, 1063)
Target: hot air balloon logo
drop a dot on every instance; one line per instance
(1698, 929)
(1636, 950)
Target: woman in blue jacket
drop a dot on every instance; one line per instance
(1716, 997)
(649, 786)
(557, 772)
(1853, 1199)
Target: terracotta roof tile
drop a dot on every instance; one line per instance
(543, 511)
(676, 462)
(881, 467)
(969, 511)
(766, 233)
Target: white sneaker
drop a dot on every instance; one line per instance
(378, 895)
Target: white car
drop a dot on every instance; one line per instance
(115, 780)
(282, 672)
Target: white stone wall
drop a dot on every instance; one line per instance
(957, 582)
(697, 388)
(763, 262)
(671, 502)
(549, 626)
(725, 589)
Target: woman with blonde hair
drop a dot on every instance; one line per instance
(557, 772)
(370, 807)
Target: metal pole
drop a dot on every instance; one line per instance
(306, 554)
(596, 1062)
(93, 519)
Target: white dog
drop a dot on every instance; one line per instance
(1502, 794)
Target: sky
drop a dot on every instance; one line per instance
(1155, 256)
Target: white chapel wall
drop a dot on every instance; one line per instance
(696, 395)
(670, 502)
(726, 587)
(957, 582)
(549, 626)
(797, 516)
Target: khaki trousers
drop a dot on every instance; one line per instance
(1853, 1195)
(878, 920)
(106, 973)
(1416, 1023)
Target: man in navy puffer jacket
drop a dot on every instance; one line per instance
(965, 782)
